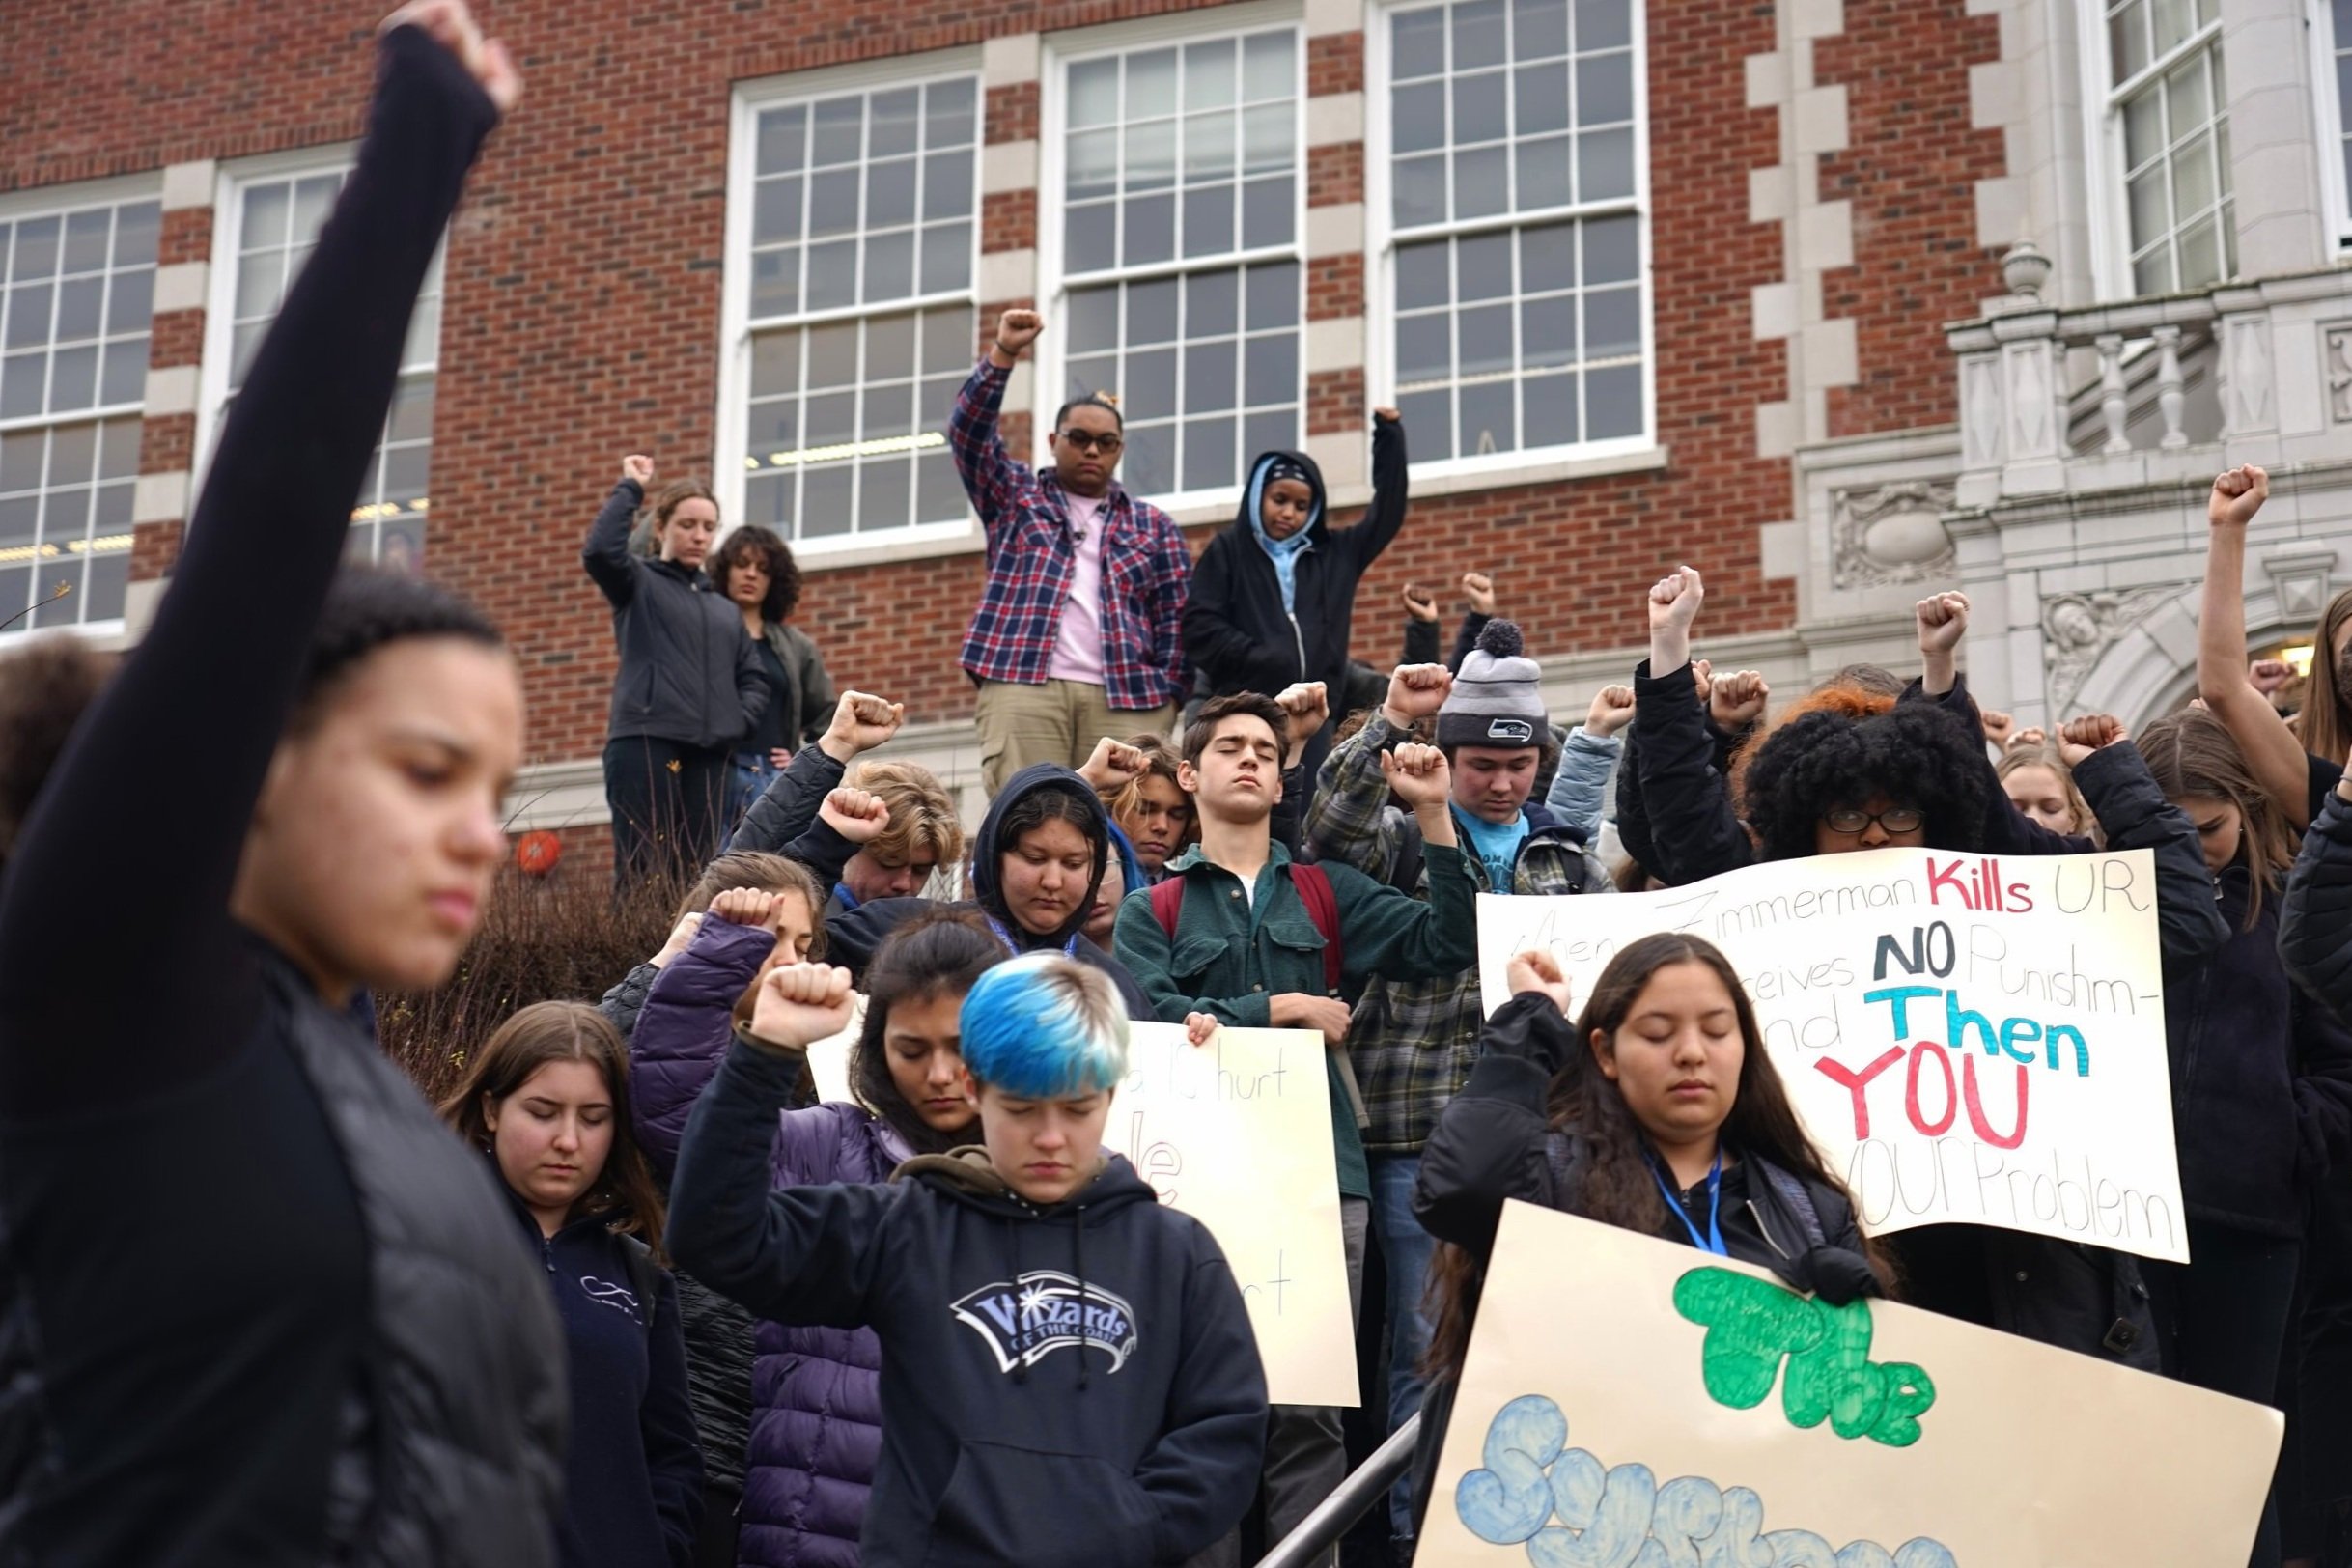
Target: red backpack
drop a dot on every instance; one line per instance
(1314, 891)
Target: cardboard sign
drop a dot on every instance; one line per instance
(1966, 1038)
(1627, 1403)
(1237, 1135)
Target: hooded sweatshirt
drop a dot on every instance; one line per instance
(853, 939)
(1074, 1384)
(1264, 613)
(633, 1474)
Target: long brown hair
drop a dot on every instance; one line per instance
(2326, 728)
(2192, 753)
(547, 1032)
(1616, 1188)
(933, 955)
(646, 532)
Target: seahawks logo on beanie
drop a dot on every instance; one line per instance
(1496, 698)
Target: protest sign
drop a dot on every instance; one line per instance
(1966, 1038)
(1629, 1403)
(1237, 1135)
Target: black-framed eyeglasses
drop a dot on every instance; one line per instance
(1851, 821)
(1086, 440)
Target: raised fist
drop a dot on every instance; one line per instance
(639, 468)
(1415, 691)
(2033, 734)
(1388, 415)
(855, 814)
(2238, 494)
(1998, 727)
(680, 934)
(1536, 971)
(1112, 765)
(1675, 601)
(861, 724)
(1737, 700)
(1418, 775)
(1702, 680)
(452, 25)
(1613, 708)
(1304, 709)
(2079, 738)
(1479, 589)
(1942, 621)
(798, 1004)
(745, 907)
(2268, 674)
(1017, 329)
(1420, 605)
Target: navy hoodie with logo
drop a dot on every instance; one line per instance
(632, 1476)
(1070, 1387)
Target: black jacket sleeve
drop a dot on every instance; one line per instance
(750, 685)
(665, 1423)
(789, 805)
(2323, 1090)
(2315, 919)
(2007, 829)
(1489, 1142)
(2123, 796)
(1217, 635)
(1420, 641)
(1465, 639)
(1686, 798)
(1377, 529)
(607, 554)
(824, 851)
(215, 680)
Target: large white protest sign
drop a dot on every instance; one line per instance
(1966, 1038)
(1629, 1403)
(1237, 1135)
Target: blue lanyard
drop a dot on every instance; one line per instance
(1068, 948)
(1713, 1241)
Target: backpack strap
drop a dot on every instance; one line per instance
(1798, 1200)
(1168, 903)
(644, 1279)
(1314, 890)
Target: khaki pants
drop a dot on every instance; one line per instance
(1058, 722)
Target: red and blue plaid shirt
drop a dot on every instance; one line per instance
(1147, 568)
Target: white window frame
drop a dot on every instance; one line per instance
(1381, 239)
(1060, 52)
(2328, 115)
(730, 421)
(2107, 200)
(39, 201)
(220, 298)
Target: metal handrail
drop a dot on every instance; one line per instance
(1338, 1513)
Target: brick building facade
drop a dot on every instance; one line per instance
(1654, 281)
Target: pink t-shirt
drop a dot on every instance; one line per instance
(1077, 638)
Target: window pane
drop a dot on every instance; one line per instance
(1274, 295)
(1424, 348)
(1266, 214)
(1417, 116)
(1605, 165)
(1210, 146)
(1420, 191)
(2127, 42)
(1151, 83)
(1482, 181)
(1478, 34)
(782, 142)
(1489, 423)
(1539, 29)
(1210, 461)
(1545, 170)
(1212, 305)
(951, 113)
(1603, 24)
(1613, 399)
(1151, 230)
(896, 124)
(1539, 100)
(891, 191)
(1094, 92)
(1272, 371)
(1605, 90)
(1269, 69)
(1481, 107)
(1211, 80)
(1416, 42)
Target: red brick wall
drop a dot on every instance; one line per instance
(1910, 171)
(583, 291)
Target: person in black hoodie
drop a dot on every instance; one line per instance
(1039, 858)
(1274, 597)
(547, 1097)
(690, 685)
(360, 1367)
(1659, 1110)
(977, 1269)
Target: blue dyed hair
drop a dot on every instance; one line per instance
(1041, 1027)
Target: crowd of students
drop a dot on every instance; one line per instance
(636, 1297)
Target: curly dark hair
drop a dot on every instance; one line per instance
(368, 607)
(47, 684)
(753, 542)
(1914, 754)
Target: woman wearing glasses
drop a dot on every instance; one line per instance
(1076, 634)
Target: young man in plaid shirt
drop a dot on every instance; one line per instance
(1413, 1041)
(1076, 633)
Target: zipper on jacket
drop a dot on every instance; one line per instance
(1764, 1230)
(1298, 640)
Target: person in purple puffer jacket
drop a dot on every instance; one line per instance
(816, 1423)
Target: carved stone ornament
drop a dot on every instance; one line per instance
(1893, 534)
(2336, 368)
(2077, 629)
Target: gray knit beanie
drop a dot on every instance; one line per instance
(1494, 700)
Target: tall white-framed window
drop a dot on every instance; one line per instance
(266, 223)
(2162, 218)
(848, 316)
(1507, 173)
(2331, 35)
(78, 268)
(1170, 242)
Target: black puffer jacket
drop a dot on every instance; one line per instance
(688, 671)
(1236, 631)
(2316, 923)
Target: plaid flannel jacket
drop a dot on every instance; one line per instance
(1413, 1041)
(1147, 568)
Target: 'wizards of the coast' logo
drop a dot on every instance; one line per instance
(1027, 1319)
